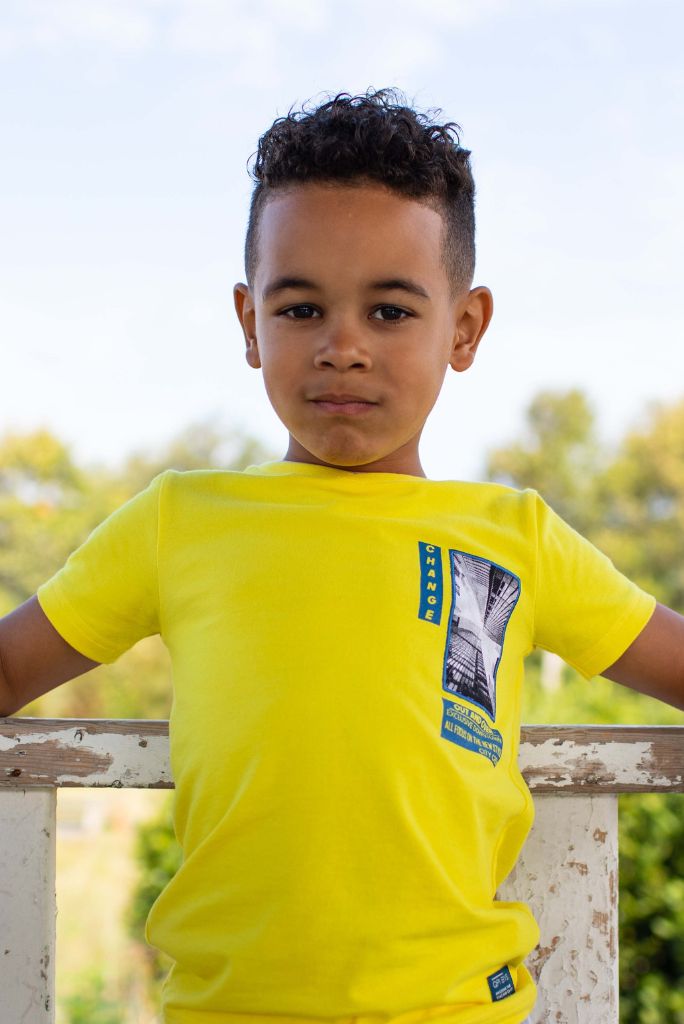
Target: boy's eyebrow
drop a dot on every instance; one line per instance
(281, 283)
(405, 284)
(402, 284)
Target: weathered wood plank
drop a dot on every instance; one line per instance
(134, 753)
(27, 906)
(84, 752)
(603, 758)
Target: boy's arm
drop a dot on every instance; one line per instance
(654, 662)
(34, 658)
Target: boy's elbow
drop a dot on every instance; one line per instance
(8, 700)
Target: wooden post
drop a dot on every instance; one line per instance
(27, 890)
(568, 874)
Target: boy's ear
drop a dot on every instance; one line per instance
(244, 307)
(475, 312)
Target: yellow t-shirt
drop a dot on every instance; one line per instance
(347, 657)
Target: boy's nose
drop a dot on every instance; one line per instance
(342, 349)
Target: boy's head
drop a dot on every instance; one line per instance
(359, 259)
(375, 138)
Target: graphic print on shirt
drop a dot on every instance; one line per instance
(430, 582)
(484, 596)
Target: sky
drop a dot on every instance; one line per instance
(126, 129)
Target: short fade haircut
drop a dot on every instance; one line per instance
(372, 138)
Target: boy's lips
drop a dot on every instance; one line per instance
(346, 405)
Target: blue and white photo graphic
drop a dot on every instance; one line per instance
(484, 596)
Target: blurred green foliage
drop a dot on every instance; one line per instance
(640, 505)
(92, 1004)
(652, 909)
(557, 454)
(628, 501)
(158, 857)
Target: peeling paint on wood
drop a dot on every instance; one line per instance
(560, 759)
(27, 906)
(614, 766)
(575, 963)
(595, 759)
(36, 752)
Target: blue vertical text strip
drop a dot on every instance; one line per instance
(431, 587)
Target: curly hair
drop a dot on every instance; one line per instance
(374, 137)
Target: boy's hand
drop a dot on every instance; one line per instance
(654, 662)
(34, 658)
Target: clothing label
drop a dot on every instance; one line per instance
(501, 984)
(431, 588)
(470, 729)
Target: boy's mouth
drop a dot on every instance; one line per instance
(345, 405)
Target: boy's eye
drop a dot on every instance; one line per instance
(389, 313)
(302, 312)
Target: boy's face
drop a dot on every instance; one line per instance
(352, 321)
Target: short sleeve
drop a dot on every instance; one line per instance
(586, 610)
(106, 596)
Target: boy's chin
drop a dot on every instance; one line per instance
(333, 461)
(333, 457)
(403, 460)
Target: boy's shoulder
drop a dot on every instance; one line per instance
(500, 505)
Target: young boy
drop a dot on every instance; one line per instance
(347, 637)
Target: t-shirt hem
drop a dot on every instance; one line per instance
(464, 1015)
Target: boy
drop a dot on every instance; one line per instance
(347, 637)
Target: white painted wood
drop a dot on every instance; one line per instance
(27, 906)
(568, 874)
(553, 758)
(612, 759)
(125, 754)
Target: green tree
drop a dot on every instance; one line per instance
(558, 455)
(47, 505)
(641, 497)
(629, 502)
(200, 446)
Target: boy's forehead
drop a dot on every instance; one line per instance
(358, 227)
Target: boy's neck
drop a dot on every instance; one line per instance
(403, 461)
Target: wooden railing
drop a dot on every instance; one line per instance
(567, 871)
